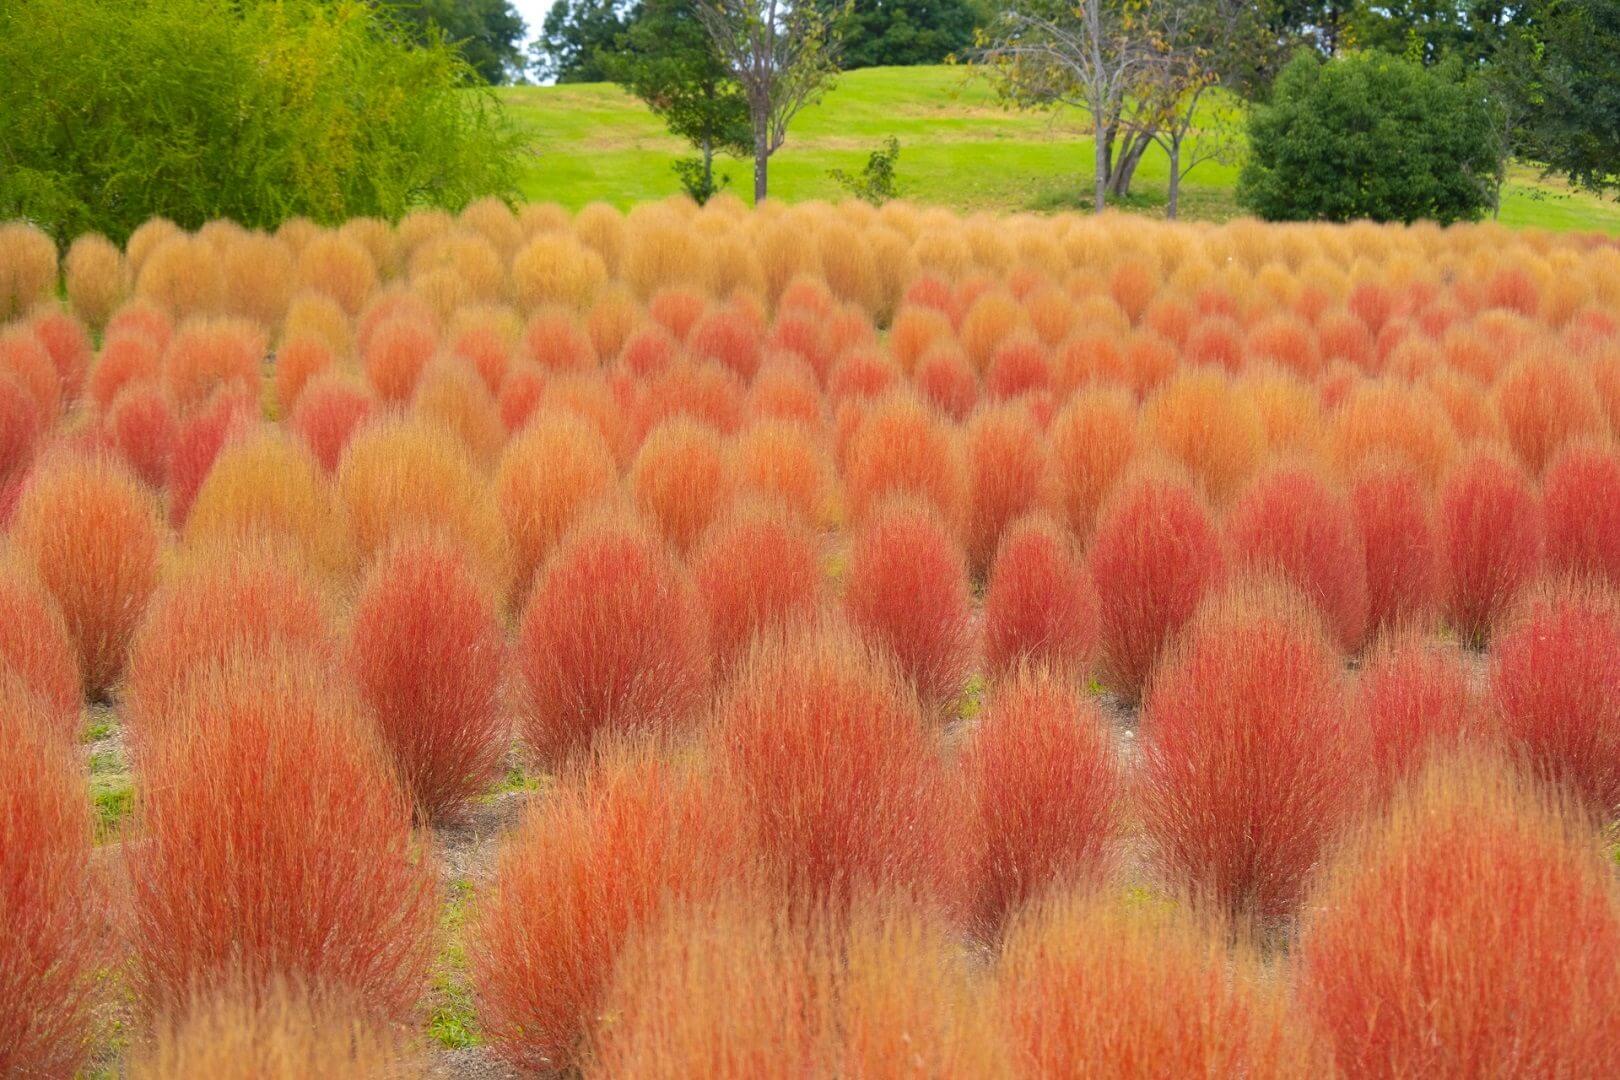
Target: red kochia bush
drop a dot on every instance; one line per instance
(394, 356)
(757, 570)
(206, 356)
(1414, 700)
(1093, 441)
(142, 428)
(126, 359)
(1543, 402)
(330, 409)
(612, 639)
(425, 650)
(733, 336)
(1555, 682)
(1250, 763)
(1580, 494)
(93, 534)
(682, 480)
(557, 468)
(298, 360)
(273, 841)
(1007, 477)
(907, 591)
(35, 646)
(841, 787)
(50, 923)
(1040, 606)
(1405, 568)
(1474, 930)
(23, 357)
(216, 604)
(902, 447)
(1045, 786)
(1493, 534)
(593, 863)
(21, 426)
(1092, 987)
(64, 337)
(946, 381)
(1291, 523)
(1154, 555)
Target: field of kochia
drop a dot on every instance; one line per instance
(809, 641)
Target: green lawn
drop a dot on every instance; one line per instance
(958, 148)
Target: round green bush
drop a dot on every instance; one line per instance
(1371, 136)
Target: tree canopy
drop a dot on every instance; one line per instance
(192, 110)
(488, 33)
(900, 33)
(667, 60)
(1371, 135)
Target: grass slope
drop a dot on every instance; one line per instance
(958, 148)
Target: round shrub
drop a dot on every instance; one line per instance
(611, 640)
(273, 842)
(907, 591)
(52, 926)
(1406, 570)
(1040, 607)
(1084, 980)
(1555, 683)
(1493, 535)
(1250, 763)
(1370, 135)
(217, 603)
(1290, 522)
(590, 865)
(1472, 930)
(1045, 784)
(36, 648)
(93, 535)
(426, 654)
(1154, 555)
(758, 570)
(841, 787)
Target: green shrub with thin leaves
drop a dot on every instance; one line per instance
(116, 111)
(876, 182)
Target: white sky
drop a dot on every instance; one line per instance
(533, 12)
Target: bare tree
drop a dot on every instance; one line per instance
(1187, 39)
(783, 55)
(1089, 56)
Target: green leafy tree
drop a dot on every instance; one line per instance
(1371, 136)
(1566, 79)
(1432, 31)
(1323, 25)
(488, 33)
(668, 61)
(116, 112)
(578, 39)
(901, 33)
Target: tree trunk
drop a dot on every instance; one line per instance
(708, 164)
(762, 155)
(1130, 156)
(1109, 136)
(1173, 207)
(1101, 195)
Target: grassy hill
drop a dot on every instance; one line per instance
(959, 148)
